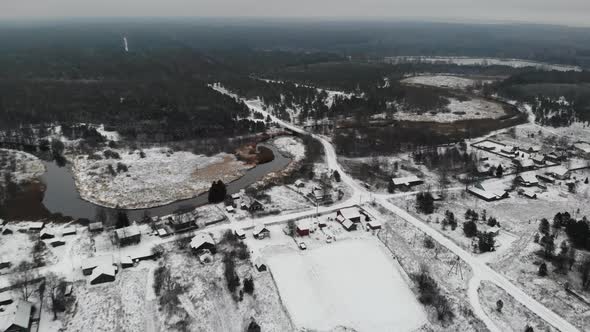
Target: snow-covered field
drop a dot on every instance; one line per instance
(161, 177)
(350, 283)
(26, 166)
(291, 146)
(443, 81)
(476, 108)
(469, 61)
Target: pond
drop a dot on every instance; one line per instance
(61, 195)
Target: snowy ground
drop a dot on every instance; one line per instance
(26, 166)
(351, 283)
(443, 81)
(475, 108)
(467, 61)
(290, 146)
(161, 177)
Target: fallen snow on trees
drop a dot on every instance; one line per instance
(350, 283)
(161, 177)
(22, 166)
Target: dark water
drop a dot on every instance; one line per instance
(61, 195)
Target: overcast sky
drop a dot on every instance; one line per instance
(568, 12)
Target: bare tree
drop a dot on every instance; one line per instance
(24, 277)
(55, 287)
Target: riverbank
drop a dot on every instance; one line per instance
(150, 177)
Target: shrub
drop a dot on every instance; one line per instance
(249, 286)
(470, 228)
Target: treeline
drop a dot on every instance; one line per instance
(164, 110)
(557, 98)
(450, 159)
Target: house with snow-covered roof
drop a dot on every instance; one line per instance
(17, 318)
(202, 241)
(128, 235)
(528, 179)
(406, 181)
(103, 273)
(487, 192)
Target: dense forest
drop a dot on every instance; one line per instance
(557, 98)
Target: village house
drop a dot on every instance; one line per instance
(538, 159)
(406, 181)
(235, 196)
(240, 234)
(559, 172)
(350, 213)
(128, 235)
(259, 264)
(182, 222)
(487, 192)
(18, 318)
(527, 179)
(299, 184)
(525, 164)
(230, 209)
(89, 264)
(202, 241)
(303, 228)
(528, 193)
(95, 227)
(255, 206)
(260, 232)
(103, 273)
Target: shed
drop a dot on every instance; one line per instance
(45, 234)
(69, 289)
(57, 243)
(202, 241)
(4, 264)
(128, 235)
(256, 206)
(529, 194)
(6, 231)
(230, 209)
(406, 181)
(303, 228)
(260, 265)
(235, 196)
(559, 172)
(182, 222)
(95, 227)
(299, 184)
(71, 230)
(103, 273)
(260, 232)
(5, 298)
(162, 232)
(374, 224)
(36, 226)
(126, 262)
(348, 225)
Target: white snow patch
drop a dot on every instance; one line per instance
(291, 146)
(351, 283)
(443, 81)
(476, 108)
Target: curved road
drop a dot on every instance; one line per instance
(481, 271)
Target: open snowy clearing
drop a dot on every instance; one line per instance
(351, 283)
(467, 61)
(476, 108)
(290, 146)
(161, 177)
(443, 81)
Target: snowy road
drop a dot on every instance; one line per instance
(481, 271)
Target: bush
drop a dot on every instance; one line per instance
(470, 228)
(430, 294)
(249, 286)
(428, 243)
